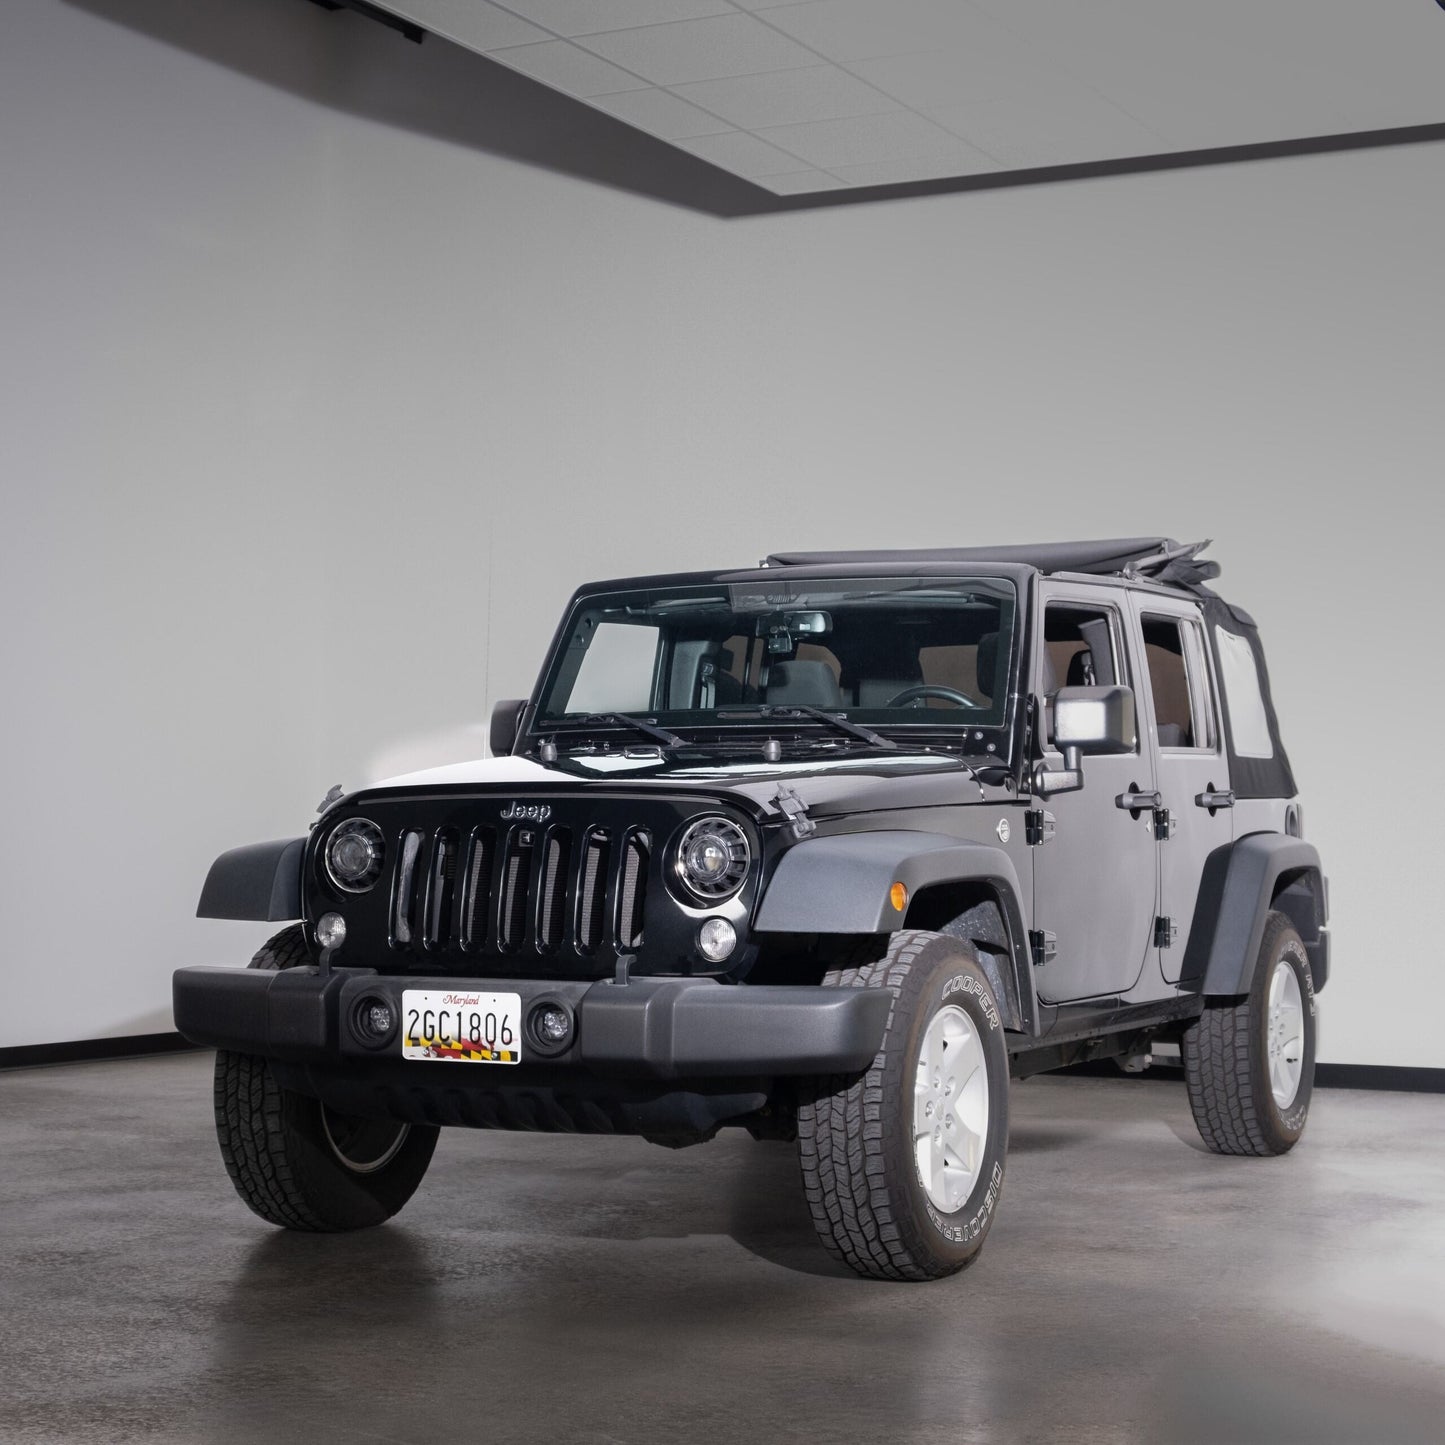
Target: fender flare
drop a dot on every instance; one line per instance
(1240, 884)
(840, 884)
(260, 882)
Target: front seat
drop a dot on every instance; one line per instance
(806, 681)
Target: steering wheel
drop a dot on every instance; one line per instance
(911, 695)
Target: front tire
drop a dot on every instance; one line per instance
(903, 1165)
(1249, 1065)
(297, 1163)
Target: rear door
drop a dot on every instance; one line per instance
(1179, 705)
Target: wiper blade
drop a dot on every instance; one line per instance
(802, 709)
(647, 729)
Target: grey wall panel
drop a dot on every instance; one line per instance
(268, 352)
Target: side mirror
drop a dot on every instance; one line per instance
(1087, 720)
(506, 720)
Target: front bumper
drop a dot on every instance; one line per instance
(648, 1028)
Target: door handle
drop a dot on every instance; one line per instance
(1211, 798)
(1135, 801)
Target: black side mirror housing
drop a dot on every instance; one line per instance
(506, 723)
(1088, 720)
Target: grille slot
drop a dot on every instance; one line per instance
(552, 908)
(592, 889)
(516, 889)
(477, 890)
(632, 892)
(403, 908)
(441, 880)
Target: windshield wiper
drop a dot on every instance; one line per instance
(647, 729)
(802, 709)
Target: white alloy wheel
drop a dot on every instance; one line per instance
(950, 1108)
(363, 1145)
(1285, 1034)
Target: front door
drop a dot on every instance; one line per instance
(1178, 704)
(1095, 885)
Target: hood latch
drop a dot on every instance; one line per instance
(795, 810)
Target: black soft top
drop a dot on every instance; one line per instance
(1159, 558)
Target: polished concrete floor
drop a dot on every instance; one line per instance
(591, 1290)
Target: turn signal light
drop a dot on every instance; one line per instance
(898, 897)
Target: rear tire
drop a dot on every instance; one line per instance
(297, 1163)
(1249, 1064)
(903, 1165)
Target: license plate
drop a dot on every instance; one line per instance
(465, 1028)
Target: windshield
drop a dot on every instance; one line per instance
(882, 653)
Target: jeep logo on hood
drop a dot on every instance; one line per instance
(527, 812)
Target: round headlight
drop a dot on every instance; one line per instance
(713, 858)
(354, 854)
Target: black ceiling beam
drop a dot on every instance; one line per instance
(405, 28)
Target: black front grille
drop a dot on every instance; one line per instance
(529, 890)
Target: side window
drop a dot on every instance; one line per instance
(1206, 714)
(1179, 683)
(1080, 650)
(617, 673)
(1239, 677)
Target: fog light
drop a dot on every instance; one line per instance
(377, 1018)
(716, 939)
(331, 930)
(553, 1025)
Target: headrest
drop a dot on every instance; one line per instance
(1081, 669)
(808, 681)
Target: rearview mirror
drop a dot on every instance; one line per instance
(506, 719)
(1087, 720)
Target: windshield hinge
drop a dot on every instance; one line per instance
(795, 810)
(1038, 827)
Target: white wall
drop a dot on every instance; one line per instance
(308, 424)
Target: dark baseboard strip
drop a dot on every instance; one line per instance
(29, 1056)
(1327, 1076)
(1380, 1076)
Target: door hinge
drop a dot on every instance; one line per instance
(1038, 827)
(1163, 824)
(1043, 945)
(1165, 932)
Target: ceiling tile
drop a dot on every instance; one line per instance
(473, 23)
(661, 114)
(932, 78)
(800, 182)
(563, 66)
(894, 173)
(701, 49)
(787, 97)
(896, 135)
(1049, 130)
(861, 29)
(743, 154)
(587, 17)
